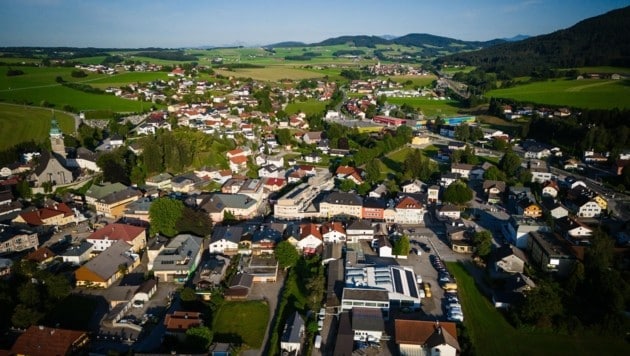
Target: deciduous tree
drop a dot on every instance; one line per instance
(164, 214)
(286, 254)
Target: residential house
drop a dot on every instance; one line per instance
(178, 260)
(448, 178)
(550, 189)
(160, 181)
(414, 186)
(312, 137)
(99, 191)
(516, 230)
(107, 267)
(462, 169)
(367, 324)
(509, 259)
(378, 192)
(14, 239)
(373, 208)
(271, 171)
(459, 238)
(185, 183)
(41, 256)
(351, 173)
(540, 171)
(53, 214)
(557, 211)
(537, 152)
(310, 239)
(77, 254)
(344, 342)
(240, 286)
(103, 238)
(341, 205)
(419, 337)
(513, 291)
(333, 232)
(574, 231)
(238, 163)
(84, 159)
(359, 230)
(292, 335)
(113, 205)
(448, 211)
(583, 206)
(43, 340)
(494, 190)
(384, 246)
(239, 205)
(433, 194)
(226, 239)
(274, 184)
(549, 253)
(531, 210)
(409, 211)
(178, 322)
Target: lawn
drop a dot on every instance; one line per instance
(242, 321)
(491, 334)
(586, 93)
(309, 107)
(24, 123)
(429, 107)
(74, 312)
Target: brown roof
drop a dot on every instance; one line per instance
(418, 332)
(117, 232)
(37, 217)
(310, 229)
(408, 203)
(238, 159)
(333, 226)
(182, 321)
(41, 254)
(41, 340)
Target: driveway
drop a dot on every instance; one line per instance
(270, 292)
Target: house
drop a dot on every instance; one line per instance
(225, 240)
(238, 163)
(373, 208)
(367, 324)
(448, 211)
(310, 239)
(240, 286)
(509, 259)
(14, 239)
(5, 267)
(414, 186)
(383, 246)
(558, 211)
(239, 205)
(341, 205)
(106, 236)
(41, 255)
(333, 231)
(537, 152)
(550, 189)
(291, 339)
(516, 230)
(359, 230)
(99, 191)
(178, 322)
(351, 173)
(113, 205)
(549, 253)
(540, 171)
(378, 192)
(274, 184)
(532, 210)
(494, 190)
(312, 137)
(459, 238)
(344, 342)
(448, 178)
(51, 214)
(574, 231)
(419, 337)
(77, 254)
(106, 268)
(513, 291)
(433, 194)
(178, 260)
(185, 183)
(271, 171)
(84, 159)
(409, 211)
(43, 340)
(50, 169)
(462, 169)
(145, 291)
(160, 181)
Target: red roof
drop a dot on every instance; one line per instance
(37, 217)
(310, 229)
(275, 181)
(238, 159)
(333, 226)
(40, 255)
(182, 321)
(235, 152)
(41, 340)
(117, 232)
(408, 203)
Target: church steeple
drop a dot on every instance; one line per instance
(56, 137)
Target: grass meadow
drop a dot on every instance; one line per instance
(429, 107)
(270, 73)
(491, 334)
(23, 123)
(309, 107)
(586, 93)
(242, 321)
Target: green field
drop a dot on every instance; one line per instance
(309, 107)
(270, 73)
(491, 334)
(24, 123)
(586, 93)
(611, 70)
(429, 107)
(121, 79)
(416, 80)
(244, 320)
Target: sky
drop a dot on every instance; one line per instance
(193, 23)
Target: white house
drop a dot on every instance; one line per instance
(310, 238)
(367, 324)
(77, 255)
(418, 337)
(225, 239)
(291, 340)
(333, 232)
(409, 211)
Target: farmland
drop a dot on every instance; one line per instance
(586, 93)
(429, 107)
(23, 123)
(270, 73)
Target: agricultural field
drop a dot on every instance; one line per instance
(430, 108)
(483, 323)
(604, 69)
(586, 93)
(246, 321)
(309, 107)
(416, 80)
(121, 79)
(270, 73)
(24, 123)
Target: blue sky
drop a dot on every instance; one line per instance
(187, 23)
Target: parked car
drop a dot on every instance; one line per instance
(427, 290)
(318, 341)
(455, 317)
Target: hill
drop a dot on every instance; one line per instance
(597, 41)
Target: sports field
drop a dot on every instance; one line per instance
(23, 123)
(585, 93)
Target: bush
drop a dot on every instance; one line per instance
(78, 74)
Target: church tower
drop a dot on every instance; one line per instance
(56, 138)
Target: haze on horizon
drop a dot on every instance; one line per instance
(192, 23)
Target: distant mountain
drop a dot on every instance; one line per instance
(357, 41)
(597, 41)
(517, 38)
(425, 39)
(286, 44)
(388, 37)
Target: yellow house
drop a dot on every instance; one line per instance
(106, 268)
(601, 201)
(114, 205)
(420, 140)
(532, 211)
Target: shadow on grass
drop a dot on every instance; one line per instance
(391, 164)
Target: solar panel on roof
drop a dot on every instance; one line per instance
(411, 283)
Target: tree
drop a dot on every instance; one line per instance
(316, 287)
(57, 287)
(482, 241)
(401, 246)
(199, 338)
(373, 171)
(23, 316)
(164, 214)
(29, 295)
(458, 193)
(24, 190)
(284, 137)
(286, 254)
(494, 173)
(347, 185)
(188, 295)
(541, 305)
(510, 163)
(196, 222)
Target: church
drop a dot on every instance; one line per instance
(51, 165)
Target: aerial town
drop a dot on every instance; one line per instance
(389, 204)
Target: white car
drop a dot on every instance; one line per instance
(455, 317)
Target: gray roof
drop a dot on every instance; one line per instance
(343, 198)
(366, 294)
(180, 251)
(360, 225)
(367, 319)
(230, 233)
(119, 196)
(9, 232)
(217, 202)
(78, 250)
(242, 280)
(293, 329)
(106, 263)
(98, 191)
